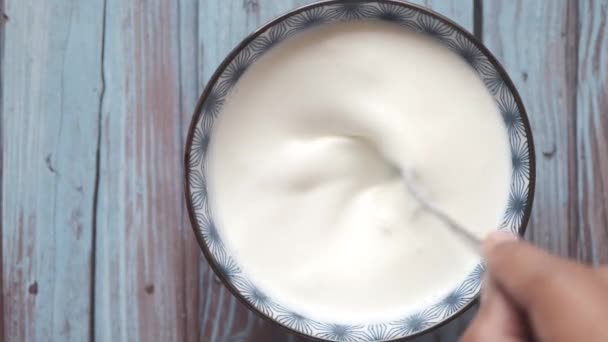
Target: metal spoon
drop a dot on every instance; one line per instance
(414, 188)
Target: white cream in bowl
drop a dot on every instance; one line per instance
(304, 171)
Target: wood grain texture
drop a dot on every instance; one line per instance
(145, 272)
(556, 53)
(591, 238)
(3, 294)
(50, 97)
(536, 43)
(222, 25)
(189, 93)
(460, 11)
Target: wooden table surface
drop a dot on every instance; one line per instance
(95, 100)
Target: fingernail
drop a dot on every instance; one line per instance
(497, 238)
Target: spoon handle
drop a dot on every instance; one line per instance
(447, 220)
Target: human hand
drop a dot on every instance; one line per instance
(530, 295)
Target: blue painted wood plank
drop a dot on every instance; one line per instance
(591, 238)
(189, 91)
(51, 87)
(460, 11)
(144, 254)
(535, 41)
(3, 18)
(222, 25)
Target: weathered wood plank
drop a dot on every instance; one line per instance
(460, 11)
(144, 257)
(51, 88)
(3, 18)
(189, 93)
(535, 41)
(590, 241)
(222, 24)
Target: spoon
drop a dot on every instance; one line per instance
(414, 188)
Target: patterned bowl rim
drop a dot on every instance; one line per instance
(213, 263)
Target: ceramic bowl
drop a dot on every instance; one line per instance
(410, 17)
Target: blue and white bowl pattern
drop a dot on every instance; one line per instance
(412, 18)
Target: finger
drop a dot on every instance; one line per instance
(527, 274)
(497, 319)
(563, 300)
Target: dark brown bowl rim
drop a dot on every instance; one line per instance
(248, 39)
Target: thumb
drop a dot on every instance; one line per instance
(497, 319)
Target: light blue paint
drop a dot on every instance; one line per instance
(51, 87)
(140, 273)
(592, 137)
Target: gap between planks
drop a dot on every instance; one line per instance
(573, 23)
(97, 169)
